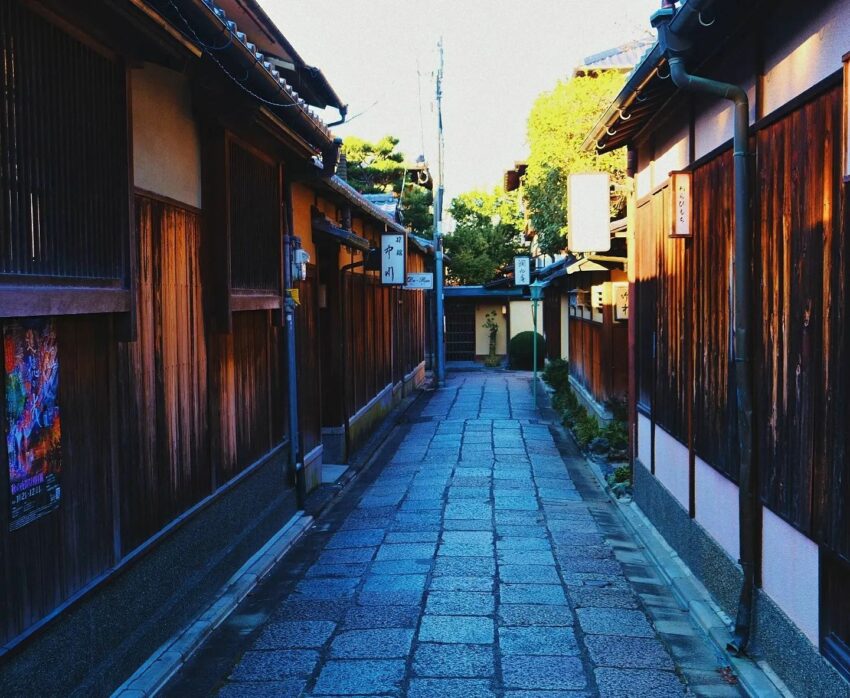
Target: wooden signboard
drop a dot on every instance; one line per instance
(682, 214)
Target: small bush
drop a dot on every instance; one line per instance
(622, 473)
(585, 427)
(617, 435)
(521, 351)
(557, 374)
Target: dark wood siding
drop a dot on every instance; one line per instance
(552, 324)
(800, 336)
(460, 330)
(163, 376)
(57, 555)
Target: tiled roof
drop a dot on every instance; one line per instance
(623, 57)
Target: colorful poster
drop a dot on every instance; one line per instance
(33, 436)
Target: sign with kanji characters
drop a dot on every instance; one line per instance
(392, 260)
(680, 184)
(423, 281)
(621, 301)
(522, 271)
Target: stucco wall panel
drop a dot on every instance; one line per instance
(482, 335)
(790, 573)
(644, 429)
(166, 144)
(671, 466)
(803, 45)
(717, 507)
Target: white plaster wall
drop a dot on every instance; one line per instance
(713, 124)
(672, 155)
(717, 507)
(565, 327)
(671, 466)
(643, 175)
(521, 320)
(644, 432)
(166, 145)
(482, 336)
(812, 53)
(790, 573)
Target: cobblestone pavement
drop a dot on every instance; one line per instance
(480, 560)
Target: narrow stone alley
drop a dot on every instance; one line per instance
(479, 557)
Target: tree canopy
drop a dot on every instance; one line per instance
(557, 125)
(378, 168)
(487, 235)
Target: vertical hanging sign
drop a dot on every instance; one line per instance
(522, 271)
(33, 430)
(680, 184)
(393, 260)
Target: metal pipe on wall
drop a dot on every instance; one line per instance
(296, 469)
(675, 47)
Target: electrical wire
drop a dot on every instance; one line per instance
(210, 51)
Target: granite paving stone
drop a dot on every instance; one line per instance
(464, 562)
(454, 661)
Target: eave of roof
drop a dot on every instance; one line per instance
(481, 292)
(648, 90)
(354, 197)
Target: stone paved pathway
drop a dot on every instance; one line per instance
(471, 564)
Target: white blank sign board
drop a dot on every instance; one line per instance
(589, 212)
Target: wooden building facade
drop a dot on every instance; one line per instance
(791, 60)
(155, 164)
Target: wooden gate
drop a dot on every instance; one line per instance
(460, 331)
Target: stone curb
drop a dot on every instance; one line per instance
(155, 673)
(756, 680)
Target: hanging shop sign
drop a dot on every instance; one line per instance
(522, 271)
(423, 281)
(621, 300)
(589, 213)
(681, 216)
(392, 260)
(33, 429)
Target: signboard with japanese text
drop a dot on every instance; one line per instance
(621, 301)
(680, 183)
(522, 271)
(422, 281)
(392, 260)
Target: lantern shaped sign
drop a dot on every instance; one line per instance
(681, 216)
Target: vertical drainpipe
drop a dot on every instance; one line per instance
(295, 465)
(675, 47)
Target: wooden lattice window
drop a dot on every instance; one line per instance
(255, 236)
(63, 154)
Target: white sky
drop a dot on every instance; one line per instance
(498, 57)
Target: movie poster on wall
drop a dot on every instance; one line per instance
(33, 429)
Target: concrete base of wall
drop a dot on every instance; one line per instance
(98, 642)
(361, 425)
(313, 468)
(775, 639)
(589, 402)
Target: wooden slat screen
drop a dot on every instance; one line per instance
(63, 153)
(309, 366)
(645, 315)
(255, 236)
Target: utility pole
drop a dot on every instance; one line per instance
(440, 351)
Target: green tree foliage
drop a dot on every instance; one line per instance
(557, 126)
(416, 210)
(378, 168)
(374, 168)
(487, 235)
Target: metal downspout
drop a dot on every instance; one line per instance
(296, 468)
(742, 350)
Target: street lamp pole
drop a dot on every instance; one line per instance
(536, 290)
(440, 349)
